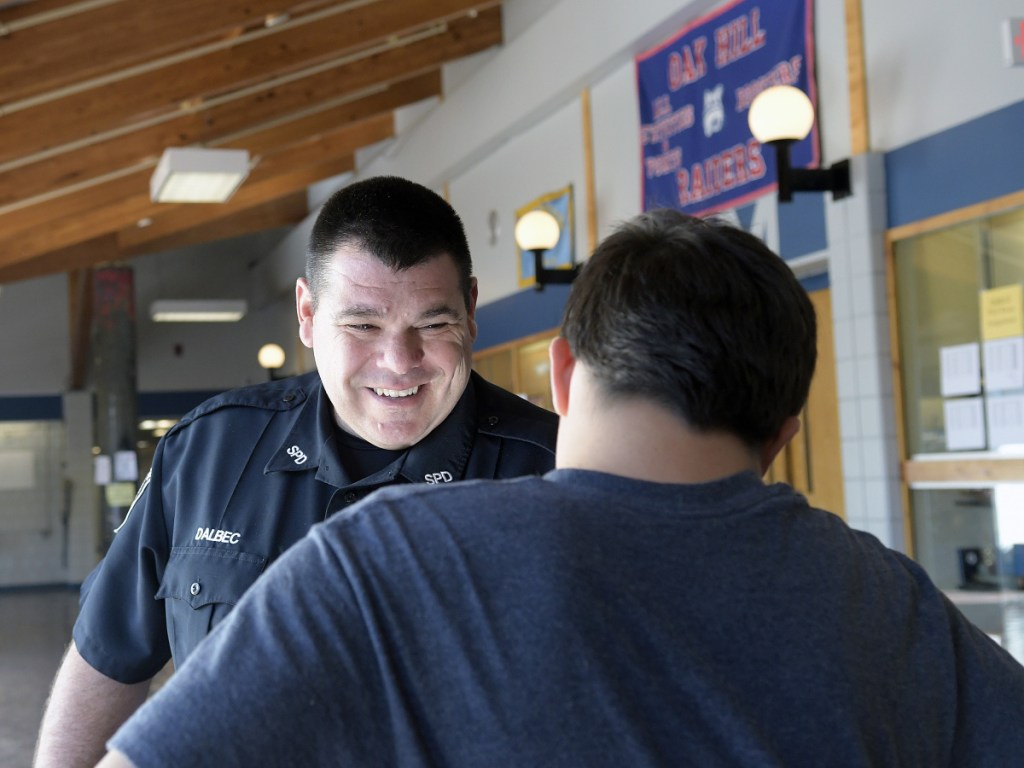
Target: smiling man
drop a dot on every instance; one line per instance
(392, 343)
(387, 306)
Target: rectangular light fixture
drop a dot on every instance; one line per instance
(197, 310)
(198, 175)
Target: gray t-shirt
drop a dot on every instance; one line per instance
(587, 619)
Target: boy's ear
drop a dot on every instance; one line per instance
(773, 447)
(562, 364)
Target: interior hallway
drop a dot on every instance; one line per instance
(35, 627)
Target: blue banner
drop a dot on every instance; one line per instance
(697, 151)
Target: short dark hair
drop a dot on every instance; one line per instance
(397, 221)
(699, 316)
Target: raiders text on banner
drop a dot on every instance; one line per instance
(697, 152)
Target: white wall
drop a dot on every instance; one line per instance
(505, 182)
(211, 356)
(35, 354)
(931, 66)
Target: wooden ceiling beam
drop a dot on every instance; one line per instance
(266, 141)
(78, 256)
(88, 215)
(115, 105)
(251, 194)
(283, 211)
(337, 143)
(40, 57)
(123, 201)
(279, 212)
(65, 211)
(462, 38)
(118, 205)
(273, 176)
(92, 92)
(143, 149)
(27, 12)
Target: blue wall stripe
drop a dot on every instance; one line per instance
(156, 404)
(149, 404)
(816, 282)
(968, 164)
(520, 314)
(32, 408)
(802, 225)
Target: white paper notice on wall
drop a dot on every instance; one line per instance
(102, 469)
(1005, 421)
(126, 466)
(965, 424)
(960, 368)
(17, 470)
(1004, 364)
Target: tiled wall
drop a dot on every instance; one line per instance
(863, 357)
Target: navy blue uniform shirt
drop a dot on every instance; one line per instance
(243, 477)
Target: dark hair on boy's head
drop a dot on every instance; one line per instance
(699, 316)
(395, 220)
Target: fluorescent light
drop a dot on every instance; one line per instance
(197, 175)
(197, 310)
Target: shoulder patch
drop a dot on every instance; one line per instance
(138, 495)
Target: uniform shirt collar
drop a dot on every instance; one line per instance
(442, 456)
(304, 447)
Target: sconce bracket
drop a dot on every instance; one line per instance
(834, 179)
(543, 275)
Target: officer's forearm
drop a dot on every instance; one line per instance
(115, 759)
(84, 710)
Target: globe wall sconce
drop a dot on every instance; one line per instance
(537, 232)
(271, 359)
(781, 115)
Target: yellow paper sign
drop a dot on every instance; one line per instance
(1002, 312)
(120, 494)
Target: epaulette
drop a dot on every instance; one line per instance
(281, 395)
(508, 416)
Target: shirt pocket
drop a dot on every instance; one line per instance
(200, 587)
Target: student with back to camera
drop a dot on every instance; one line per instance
(649, 602)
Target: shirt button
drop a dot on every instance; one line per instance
(351, 497)
(194, 589)
(289, 396)
(492, 420)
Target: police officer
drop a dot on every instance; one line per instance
(387, 306)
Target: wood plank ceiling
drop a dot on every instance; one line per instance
(93, 91)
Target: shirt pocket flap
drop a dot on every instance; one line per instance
(204, 575)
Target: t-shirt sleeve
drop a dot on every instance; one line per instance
(121, 630)
(273, 683)
(990, 698)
